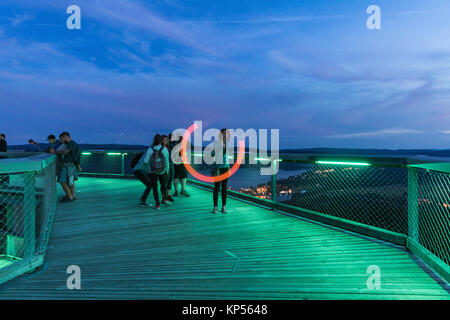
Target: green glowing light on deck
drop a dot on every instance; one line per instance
(344, 163)
(267, 159)
(114, 154)
(86, 153)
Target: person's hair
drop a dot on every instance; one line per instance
(223, 131)
(2, 135)
(163, 137)
(156, 140)
(51, 136)
(30, 141)
(65, 133)
(170, 136)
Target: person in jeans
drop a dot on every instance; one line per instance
(142, 172)
(160, 176)
(165, 140)
(69, 154)
(221, 166)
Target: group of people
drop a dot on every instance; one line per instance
(157, 164)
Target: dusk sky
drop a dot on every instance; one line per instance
(309, 68)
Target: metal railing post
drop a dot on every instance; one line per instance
(122, 169)
(29, 218)
(413, 204)
(273, 163)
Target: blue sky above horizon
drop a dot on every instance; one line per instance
(309, 68)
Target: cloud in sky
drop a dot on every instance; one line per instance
(310, 69)
(377, 133)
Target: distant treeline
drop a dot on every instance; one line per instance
(399, 152)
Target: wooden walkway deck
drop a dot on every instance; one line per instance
(185, 252)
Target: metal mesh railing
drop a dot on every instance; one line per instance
(373, 196)
(432, 228)
(27, 207)
(378, 196)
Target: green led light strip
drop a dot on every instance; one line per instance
(266, 159)
(344, 163)
(86, 153)
(113, 154)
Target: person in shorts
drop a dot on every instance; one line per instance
(69, 154)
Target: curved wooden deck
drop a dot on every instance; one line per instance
(185, 252)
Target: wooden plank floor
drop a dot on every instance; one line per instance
(185, 252)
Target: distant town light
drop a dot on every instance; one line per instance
(344, 163)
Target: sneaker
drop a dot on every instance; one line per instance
(145, 204)
(157, 207)
(175, 194)
(185, 194)
(164, 201)
(214, 210)
(224, 210)
(169, 198)
(65, 199)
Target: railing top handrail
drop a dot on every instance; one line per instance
(373, 160)
(18, 162)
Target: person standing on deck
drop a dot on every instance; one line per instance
(53, 144)
(180, 175)
(70, 156)
(3, 143)
(221, 166)
(3, 148)
(142, 172)
(32, 146)
(159, 166)
(165, 140)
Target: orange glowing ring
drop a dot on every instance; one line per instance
(200, 176)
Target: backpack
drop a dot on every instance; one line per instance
(157, 162)
(136, 159)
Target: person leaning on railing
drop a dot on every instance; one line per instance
(3, 143)
(69, 157)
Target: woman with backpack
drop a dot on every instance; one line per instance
(159, 167)
(141, 165)
(220, 167)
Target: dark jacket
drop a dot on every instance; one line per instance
(3, 146)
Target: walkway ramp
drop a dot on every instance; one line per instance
(184, 252)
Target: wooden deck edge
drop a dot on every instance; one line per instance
(20, 267)
(359, 228)
(436, 264)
